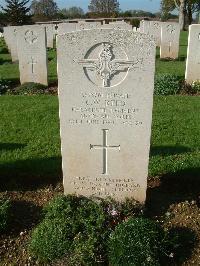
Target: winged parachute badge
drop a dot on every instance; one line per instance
(105, 66)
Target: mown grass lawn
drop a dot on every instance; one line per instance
(10, 71)
(30, 142)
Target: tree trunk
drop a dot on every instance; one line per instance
(189, 14)
(182, 11)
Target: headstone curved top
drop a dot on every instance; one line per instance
(106, 82)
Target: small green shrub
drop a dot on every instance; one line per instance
(195, 87)
(3, 50)
(135, 22)
(166, 84)
(137, 241)
(4, 214)
(3, 47)
(29, 88)
(4, 86)
(51, 239)
(82, 234)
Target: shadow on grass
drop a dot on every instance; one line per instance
(24, 215)
(11, 146)
(168, 150)
(173, 188)
(5, 61)
(30, 174)
(180, 59)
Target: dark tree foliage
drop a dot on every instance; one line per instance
(44, 9)
(3, 19)
(72, 12)
(104, 6)
(17, 12)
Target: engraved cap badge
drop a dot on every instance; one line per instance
(106, 66)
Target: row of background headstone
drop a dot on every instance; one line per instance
(166, 36)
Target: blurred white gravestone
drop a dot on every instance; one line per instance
(50, 34)
(82, 25)
(193, 54)
(10, 35)
(145, 26)
(152, 28)
(155, 31)
(117, 26)
(32, 54)
(65, 28)
(170, 34)
(106, 82)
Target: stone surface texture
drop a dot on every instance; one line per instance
(65, 28)
(155, 31)
(82, 25)
(32, 54)
(193, 54)
(117, 26)
(106, 82)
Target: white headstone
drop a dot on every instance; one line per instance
(193, 54)
(118, 22)
(82, 25)
(170, 34)
(145, 27)
(117, 26)
(50, 34)
(66, 27)
(10, 35)
(32, 54)
(155, 31)
(106, 82)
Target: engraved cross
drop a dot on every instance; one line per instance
(105, 147)
(32, 63)
(170, 46)
(30, 37)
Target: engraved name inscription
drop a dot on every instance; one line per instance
(100, 108)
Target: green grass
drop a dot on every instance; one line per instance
(10, 71)
(30, 142)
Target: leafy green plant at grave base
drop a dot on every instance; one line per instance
(196, 86)
(51, 239)
(119, 211)
(3, 47)
(83, 225)
(4, 214)
(138, 241)
(166, 84)
(4, 86)
(135, 22)
(29, 88)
